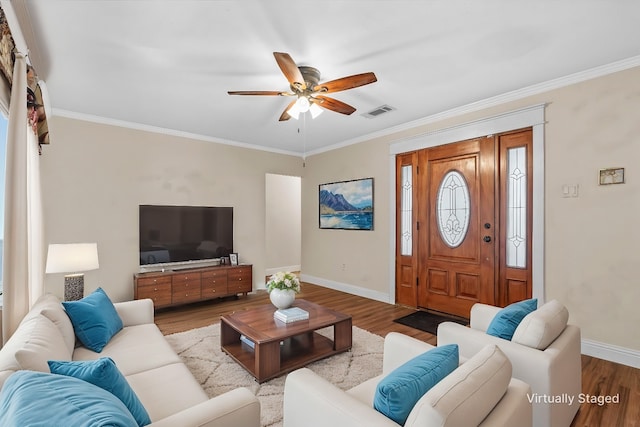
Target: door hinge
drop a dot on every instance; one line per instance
(417, 170)
(417, 281)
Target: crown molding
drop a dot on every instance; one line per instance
(165, 131)
(454, 112)
(494, 101)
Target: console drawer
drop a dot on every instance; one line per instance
(214, 283)
(157, 290)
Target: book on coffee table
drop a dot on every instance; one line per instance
(292, 314)
(247, 341)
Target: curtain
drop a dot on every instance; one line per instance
(23, 279)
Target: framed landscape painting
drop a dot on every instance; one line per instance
(346, 205)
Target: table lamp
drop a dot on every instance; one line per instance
(72, 258)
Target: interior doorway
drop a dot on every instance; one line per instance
(464, 223)
(283, 223)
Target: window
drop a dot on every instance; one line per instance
(406, 207)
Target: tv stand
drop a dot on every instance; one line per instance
(170, 288)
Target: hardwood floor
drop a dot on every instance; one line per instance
(599, 377)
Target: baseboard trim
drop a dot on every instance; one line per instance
(612, 353)
(274, 270)
(609, 352)
(345, 287)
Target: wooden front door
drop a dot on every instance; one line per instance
(457, 253)
(464, 223)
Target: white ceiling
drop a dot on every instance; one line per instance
(169, 64)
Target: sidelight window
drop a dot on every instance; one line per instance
(516, 214)
(406, 211)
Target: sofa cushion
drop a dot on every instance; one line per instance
(50, 307)
(60, 401)
(507, 320)
(398, 392)
(32, 344)
(151, 387)
(94, 318)
(104, 373)
(467, 395)
(540, 328)
(127, 346)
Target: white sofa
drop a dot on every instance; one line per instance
(466, 397)
(554, 369)
(162, 382)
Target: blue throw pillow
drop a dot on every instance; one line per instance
(398, 392)
(104, 373)
(31, 398)
(506, 321)
(94, 318)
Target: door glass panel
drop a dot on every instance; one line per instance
(406, 211)
(453, 208)
(516, 207)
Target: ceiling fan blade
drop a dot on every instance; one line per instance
(257, 92)
(285, 115)
(333, 104)
(346, 83)
(290, 69)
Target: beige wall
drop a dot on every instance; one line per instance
(283, 223)
(590, 241)
(348, 259)
(94, 177)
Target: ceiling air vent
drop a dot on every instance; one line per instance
(378, 111)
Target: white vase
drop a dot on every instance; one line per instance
(282, 298)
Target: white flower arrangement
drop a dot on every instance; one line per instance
(284, 281)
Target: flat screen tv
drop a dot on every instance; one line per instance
(179, 234)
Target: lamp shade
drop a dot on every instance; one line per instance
(72, 257)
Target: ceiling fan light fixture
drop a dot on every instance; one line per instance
(294, 111)
(315, 110)
(303, 103)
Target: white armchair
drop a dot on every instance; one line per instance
(553, 369)
(469, 393)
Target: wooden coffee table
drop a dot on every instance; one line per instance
(280, 347)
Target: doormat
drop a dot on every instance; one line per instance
(428, 321)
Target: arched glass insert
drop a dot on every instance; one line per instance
(453, 208)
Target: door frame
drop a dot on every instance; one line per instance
(533, 117)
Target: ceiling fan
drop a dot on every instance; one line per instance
(309, 93)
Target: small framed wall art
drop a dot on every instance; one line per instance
(346, 205)
(611, 176)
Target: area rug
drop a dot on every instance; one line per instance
(218, 373)
(428, 321)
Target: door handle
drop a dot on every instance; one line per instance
(487, 239)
